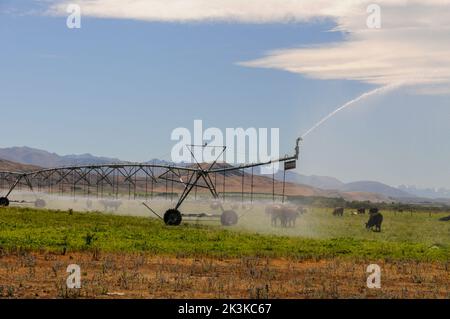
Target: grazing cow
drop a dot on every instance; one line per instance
(274, 212)
(375, 220)
(111, 204)
(338, 211)
(286, 215)
(445, 219)
(361, 211)
(289, 217)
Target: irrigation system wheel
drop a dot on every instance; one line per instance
(229, 218)
(40, 203)
(4, 202)
(173, 217)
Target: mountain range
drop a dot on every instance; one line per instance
(32, 156)
(26, 158)
(426, 192)
(331, 183)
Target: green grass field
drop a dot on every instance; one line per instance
(317, 235)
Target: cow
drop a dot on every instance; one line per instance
(111, 204)
(274, 212)
(286, 215)
(289, 217)
(445, 219)
(375, 220)
(361, 211)
(339, 211)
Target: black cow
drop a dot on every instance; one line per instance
(338, 211)
(361, 211)
(375, 220)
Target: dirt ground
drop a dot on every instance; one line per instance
(43, 275)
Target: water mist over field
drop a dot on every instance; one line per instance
(316, 223)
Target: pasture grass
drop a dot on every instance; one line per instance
(421, 239)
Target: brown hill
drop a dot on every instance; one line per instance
(16, 167)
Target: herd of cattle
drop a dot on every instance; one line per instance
(286, 216)
(282, 215)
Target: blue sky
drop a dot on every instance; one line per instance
(118, 87)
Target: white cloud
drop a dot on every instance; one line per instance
(251, 11)
(412, 46)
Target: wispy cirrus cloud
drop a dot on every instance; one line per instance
(412, 46)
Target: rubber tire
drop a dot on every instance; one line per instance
(40, 203)
(4, 202)
(229, 218)
(173, 217)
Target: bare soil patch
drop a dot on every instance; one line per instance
(127, 275)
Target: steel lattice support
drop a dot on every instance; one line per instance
(110, 180)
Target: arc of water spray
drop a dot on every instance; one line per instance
(376, 91)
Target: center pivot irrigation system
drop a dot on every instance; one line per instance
(108, 179)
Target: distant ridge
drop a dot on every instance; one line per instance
(331, 183)
(9, 166)
(32, 156)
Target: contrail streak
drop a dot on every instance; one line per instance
(379, 90)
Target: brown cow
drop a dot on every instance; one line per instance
(286, 215)
(289, 217)
(274, 211)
